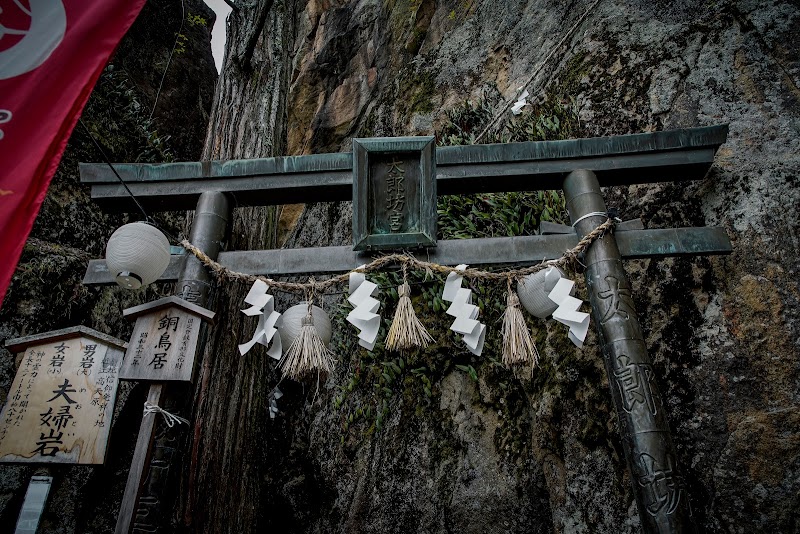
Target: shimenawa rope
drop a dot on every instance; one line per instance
(405, 261)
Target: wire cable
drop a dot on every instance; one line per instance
(111, 166)
(147, 218)
(169, 60)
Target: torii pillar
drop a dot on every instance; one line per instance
(657, 484)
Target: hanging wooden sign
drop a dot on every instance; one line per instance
(61, 402)
(164, 340)
(394, 193)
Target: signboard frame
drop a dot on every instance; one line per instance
(101, 394)
(176, 348)
(394, 193)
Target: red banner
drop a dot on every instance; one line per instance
(51, 54)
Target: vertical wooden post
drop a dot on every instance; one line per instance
(139, 463)
(208, 231)
(658, 486)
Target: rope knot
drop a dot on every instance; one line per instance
(169, 418)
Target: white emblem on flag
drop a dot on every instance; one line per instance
(46, 31)
(5, 116)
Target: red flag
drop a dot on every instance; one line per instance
(51, 54)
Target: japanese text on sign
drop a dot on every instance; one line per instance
(395, 195)
(61, 403)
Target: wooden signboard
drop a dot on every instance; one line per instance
(164, 340)
(394, 193)
(61, 402)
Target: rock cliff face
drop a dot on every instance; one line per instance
(448, 442)
(497, 454)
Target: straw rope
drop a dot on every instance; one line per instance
(405, 260)
(406, 331)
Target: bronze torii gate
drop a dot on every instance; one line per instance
(578, 166)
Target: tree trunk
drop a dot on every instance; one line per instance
(222, 485)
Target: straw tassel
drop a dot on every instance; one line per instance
(518, 345)
(307, 353)
(406, 331)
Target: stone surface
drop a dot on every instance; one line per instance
(494, 452)
(722, 331)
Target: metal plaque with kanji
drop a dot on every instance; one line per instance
(394, 193)
(164, 340)
(60, 404)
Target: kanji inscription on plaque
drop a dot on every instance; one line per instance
(164, 340)
(60, 404)
(394, 193)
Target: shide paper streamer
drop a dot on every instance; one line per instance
(516, 109)
(364, 315)
(567, 312)
(273, 402)
(466, 314)
(464, 311)
(263, 305)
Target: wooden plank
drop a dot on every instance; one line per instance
(141, 458)
(140, 502)
(163, 346)
(21, 343)
(60, 405)
(518, 251)
(639, 158)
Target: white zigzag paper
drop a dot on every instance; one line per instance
(466, 313)
(567, 312)
(273, 402)
(516, 109)
(364, 315)
(263, 305)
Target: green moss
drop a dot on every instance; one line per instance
(368, 126)
(416, 90)
(570, 78)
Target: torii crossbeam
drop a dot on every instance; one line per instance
(581, 167)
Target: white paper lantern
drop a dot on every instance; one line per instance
(533, 291)
(292, 322)
(137, 254)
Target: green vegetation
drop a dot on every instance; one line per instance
(378, 382)
(129, 129)
(195, 20)
(504, 214)
(180, 43)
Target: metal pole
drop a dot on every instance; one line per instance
(657, 484)
(208, 232)
(142, 504)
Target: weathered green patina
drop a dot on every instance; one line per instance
(674, 155)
